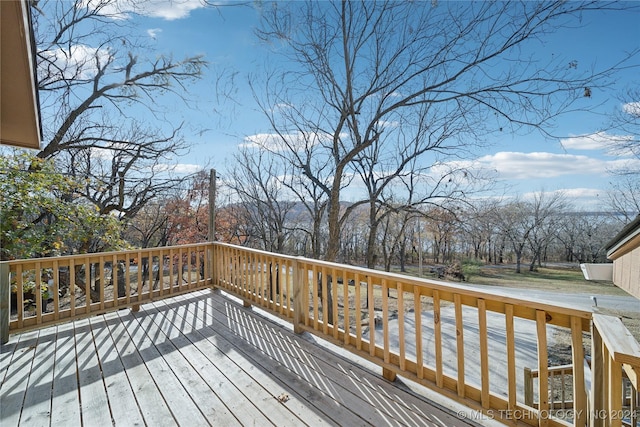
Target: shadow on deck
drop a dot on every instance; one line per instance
(196, 359)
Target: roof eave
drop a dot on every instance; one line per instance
(20, 107)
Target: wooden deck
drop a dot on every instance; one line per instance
(194, 360)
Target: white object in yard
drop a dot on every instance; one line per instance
(598, 271)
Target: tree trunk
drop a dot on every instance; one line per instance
(328, 304)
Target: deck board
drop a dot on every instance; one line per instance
(195, 359)
(65, 403)
(93, 395)
(148, 398)
(16, 380)
(317, 371)
(122, 400)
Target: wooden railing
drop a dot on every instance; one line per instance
(76, 286)
(561, 399)
(560, 392)
(463, 343)
(615, 355)
(469, 345)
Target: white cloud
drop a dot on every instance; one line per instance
(79, 61)
(580, 198)
(153, 32)
(632, 108)
(107, 153)
(180, 168)
(388, 124)
(168, 9)
(276, 142)
(165, 9)
(515, 165)
(594, 141)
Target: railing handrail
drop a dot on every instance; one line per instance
(466, 290)
(622, 346)
(48, 260)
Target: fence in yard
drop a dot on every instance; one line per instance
(469, 345)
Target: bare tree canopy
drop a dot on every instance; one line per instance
(626, 120)
(360, 81)
(108, 103)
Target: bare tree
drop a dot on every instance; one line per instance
(546, 210)
(93, 75)
(626, 120)
(393, 176)
(348, 68)
(149, 228)
(584, 235)
(478, 227)
(256, 178)
(515, 223)
(624, 198)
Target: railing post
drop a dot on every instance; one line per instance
(528, 387)
(5, 296)
(580, 406)
(298, 298)
(213, 271)
(597, 398)
(212, 226)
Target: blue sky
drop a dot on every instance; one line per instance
(578, 163)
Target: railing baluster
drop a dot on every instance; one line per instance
(102, 282)
(358, 310)
(325, 303)
(484, 354)
(334, 302)
(459, 344)
(401, 336)
(285, 289)
(511, 356)
(314, 285)
(254, 289)
(543, 363)
(199, 268)
(55, 292)
(347, 309)
(114, 279)
(417, 310)
(127, 279)
(437, 335)
(38, 293)
(20, 295)
(72, 287)
(385, 320)
(139, 284)
(372, 317)
(552, 389)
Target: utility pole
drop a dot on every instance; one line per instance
(212, 205)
